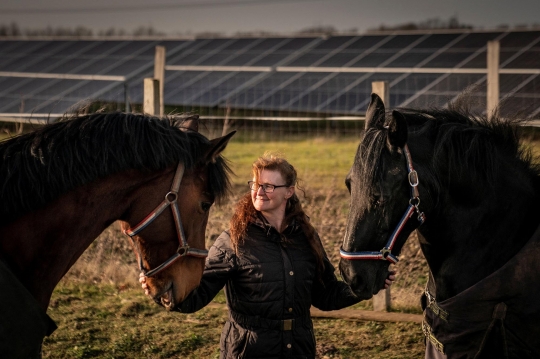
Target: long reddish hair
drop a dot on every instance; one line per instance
(245, 213)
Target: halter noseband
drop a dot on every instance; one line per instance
(171, 199)
(414, 202)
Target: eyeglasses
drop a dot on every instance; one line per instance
(267, 188)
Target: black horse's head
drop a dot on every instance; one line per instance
(380, 186)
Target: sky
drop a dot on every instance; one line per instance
(229, 17)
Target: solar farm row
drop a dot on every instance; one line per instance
(324, 75)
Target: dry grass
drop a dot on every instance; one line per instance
(110, 259)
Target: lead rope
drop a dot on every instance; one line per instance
(171, 199)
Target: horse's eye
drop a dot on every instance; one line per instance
(205, 206)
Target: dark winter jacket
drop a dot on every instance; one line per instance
(270, 286)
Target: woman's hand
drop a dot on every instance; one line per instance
(142, 280)
(390, 279)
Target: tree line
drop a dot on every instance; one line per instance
(14, 30)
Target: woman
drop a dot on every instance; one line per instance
(273, 266)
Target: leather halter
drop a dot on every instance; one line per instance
(171, 199)
(414, 202)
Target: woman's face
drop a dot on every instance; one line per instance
(274, 201)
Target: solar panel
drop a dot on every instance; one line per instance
(328, 84)
(100, 66)
(44, 48)
(410, 59)
(347, 101)
(129, 48)
(339, 59)
(519, 39)
(100, 47)
(333, 43)
(455, 83)
(450, 58)
(269, 84)
(508, 83)
(176, 82)
(400, 42)
(520, 104)
(126, 68)
(410, 84)
(528, 59)
(308, 59)
(478, 61)
(30, 47)
(213, 44)
(436, 41)
(429, 100)
(216, 59)
(240, 44)
(531, 89)
(218, 89)
(476, 40)
(365, 42)
(373, 59)
(296, 44)
(288, 92)
(272, 59)
(269, 43)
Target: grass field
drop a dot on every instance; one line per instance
(102, 312)
(320, 163)
(107, 321)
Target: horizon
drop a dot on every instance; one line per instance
(232, 17)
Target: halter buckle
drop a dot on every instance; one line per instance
(413, 178)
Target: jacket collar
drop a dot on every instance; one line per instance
(262, 222)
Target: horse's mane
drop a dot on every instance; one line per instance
(464, 144)
(37, 167)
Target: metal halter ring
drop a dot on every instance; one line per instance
(385, 252)
(175, 197)
(182, 250)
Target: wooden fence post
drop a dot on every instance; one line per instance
(381, 300)
(127, 106)
(159, 74)
(151, 96)
(493, 50)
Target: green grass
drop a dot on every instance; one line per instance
(104, 321)
(319, 162)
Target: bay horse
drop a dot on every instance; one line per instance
(66, 182)
(471, 189)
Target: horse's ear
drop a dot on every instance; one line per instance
(375, 112)
(397, 130)
(190, 123)
(217, 145)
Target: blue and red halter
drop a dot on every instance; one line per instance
(414, 202)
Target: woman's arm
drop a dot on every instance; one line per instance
(334, 294)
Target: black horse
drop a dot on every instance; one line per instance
(473, 191)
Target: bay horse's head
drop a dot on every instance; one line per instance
(382, 184)
(168, 216)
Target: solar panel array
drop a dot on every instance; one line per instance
(284, 76)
